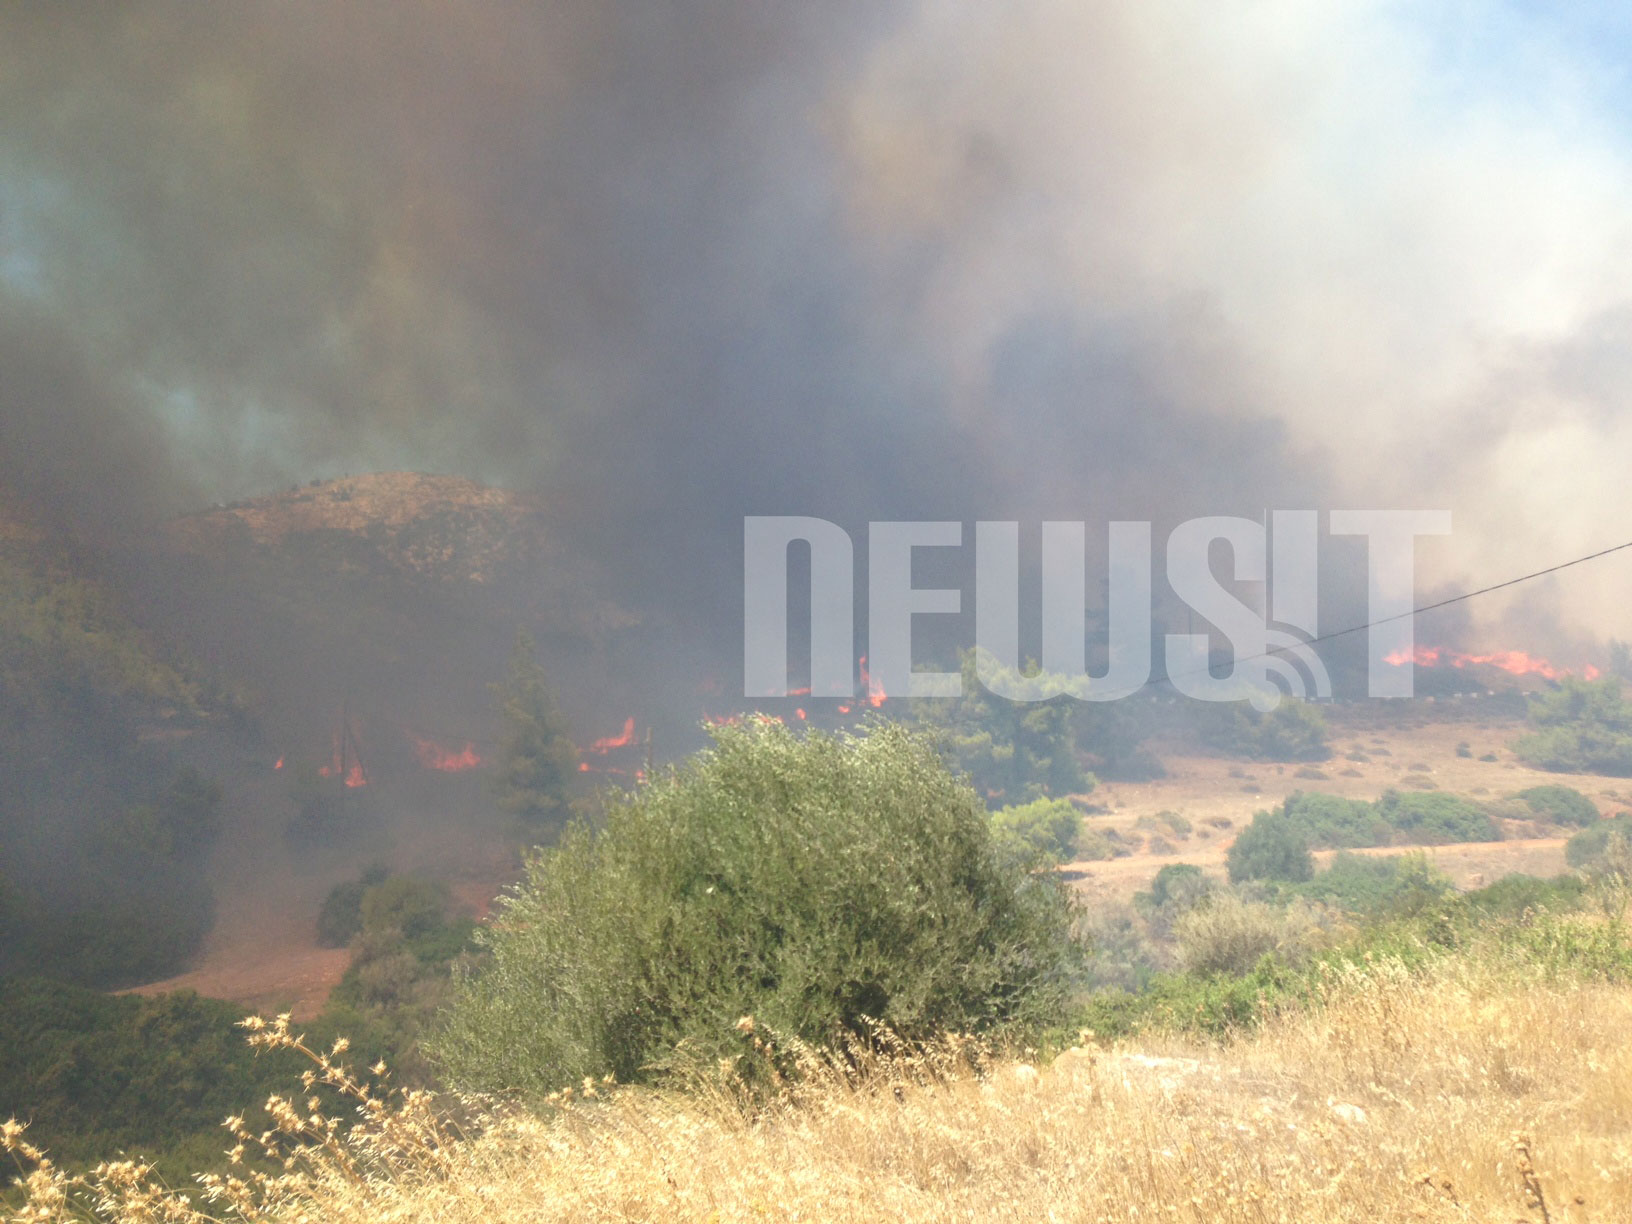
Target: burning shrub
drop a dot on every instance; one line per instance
(810, 881)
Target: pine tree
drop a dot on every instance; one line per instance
(536, 757)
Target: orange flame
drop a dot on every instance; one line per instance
(610, 742)
(876, 696)
(444, 760)
(279, 765)
(1514, 662)
(354, 770)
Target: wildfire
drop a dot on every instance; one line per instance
(610, 742)
(279, 765)
(338, 765)
(354, 774)
(876, 696)
(1514, 662)
(444, 760)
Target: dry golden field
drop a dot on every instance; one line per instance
(1217, 796)
(1461, 1093)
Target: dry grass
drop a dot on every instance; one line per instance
(1470, 1095)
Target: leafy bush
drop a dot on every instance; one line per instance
(811, 881)
(1332, 822)
(1437, 819)
(1376, 885)
(1581, 727)
(1293, 731)
(1513, 894)
(400, 976)
(1560, 805)
(1584, 850)
(341, 917)
(99, 1073)
(537, 761)
(1273, 847)
(1044, 830)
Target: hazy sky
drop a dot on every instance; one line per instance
(676, 264)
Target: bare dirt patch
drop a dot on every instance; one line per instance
(1218, 796)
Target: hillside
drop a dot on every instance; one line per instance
(442, 527)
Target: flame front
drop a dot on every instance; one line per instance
(876, 696)
(1514, 662)
(610, 742)
(444, 760)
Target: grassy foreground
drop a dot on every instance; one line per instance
(1457, 1090)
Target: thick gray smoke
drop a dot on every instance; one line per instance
(670, 265)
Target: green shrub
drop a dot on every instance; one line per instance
(1512, 895)
(1013, 752)
(1581, 727)
(1272, 847)
(1292, 731)
(1584, 850)
(98, 1074)
(810, 881)
(1176, 888)
(1333, 823)
(1437, 819)
(1044, 830)
(1377, 885)
(341, 917)
(1560, 805)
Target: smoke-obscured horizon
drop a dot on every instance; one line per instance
(670, 266)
